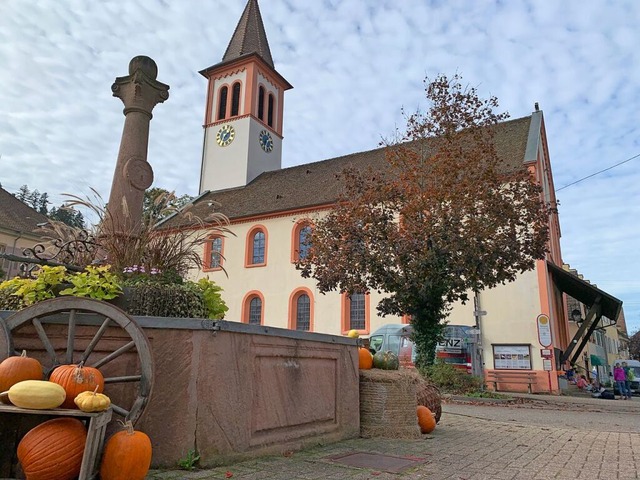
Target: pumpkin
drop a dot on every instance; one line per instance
(76, 379)
(18, 368)
(37, 394)
(92, 401)
(126, 456)
(353, 334)
(386, 360)
(53, 450)
(426, 419)
(365, 359)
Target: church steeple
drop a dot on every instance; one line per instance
(244, 112)
(249, 36)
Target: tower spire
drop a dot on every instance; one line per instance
(249, 36)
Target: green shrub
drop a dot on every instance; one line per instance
(214, 305)
(161, 300)
(451, 379)
(41, 287)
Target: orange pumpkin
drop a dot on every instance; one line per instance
(126, 456)
(16, 369)
(365, 359)
(426, 420)
(53, 450)
(76, 379)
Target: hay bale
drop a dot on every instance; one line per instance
(388, 404)
(428, 394)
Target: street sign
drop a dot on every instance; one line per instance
(479, 313)
(544, 330)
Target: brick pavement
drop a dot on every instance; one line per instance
(461, 448)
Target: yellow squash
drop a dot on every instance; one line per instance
(37, 394)
(92, 401)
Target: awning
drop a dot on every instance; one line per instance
(584, 292)
(597, 361)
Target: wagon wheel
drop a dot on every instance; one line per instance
(70, 328)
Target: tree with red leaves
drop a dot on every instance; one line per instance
(445, 218)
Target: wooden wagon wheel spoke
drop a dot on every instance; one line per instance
(120, 411)
(71, 336)
(45, 340)
(94, 341)
(103, 361)
(82, 320)
(127, 378)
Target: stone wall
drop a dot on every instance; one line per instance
(228, 390)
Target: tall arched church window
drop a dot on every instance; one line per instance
(255, 311)
(235, 99)
(303, 312)
(356, 312)
(270, 110)
(258, 248)
(261, 103)
(222, 103)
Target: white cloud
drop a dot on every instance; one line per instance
(353, 64)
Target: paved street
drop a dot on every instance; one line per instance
(556, 439)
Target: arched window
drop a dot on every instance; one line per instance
(300, 240)
(222, 103)
(270, 110)
(213, 254)
(256, 250)
(261, 103)
(355, 312)
(255, 311)
(301, 310)
(253, 308)
(303, 313)
(235, 99)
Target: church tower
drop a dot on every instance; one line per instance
(243, 117)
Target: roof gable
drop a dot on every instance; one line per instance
(18, 216)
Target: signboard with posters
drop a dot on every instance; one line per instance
(544, 330)
(512, 357)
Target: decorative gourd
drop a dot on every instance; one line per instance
(19, 368)
(126, 456)
(426, 419)
(37, 394)
(92, 401)
(53, 450)
(76, 379)
(386, 360)
(4, 398)
(365, 359)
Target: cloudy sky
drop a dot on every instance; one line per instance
(353, 65)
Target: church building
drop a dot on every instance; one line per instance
(521, 327)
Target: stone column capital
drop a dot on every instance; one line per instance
(140, 91)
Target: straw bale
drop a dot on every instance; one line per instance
(388, 404)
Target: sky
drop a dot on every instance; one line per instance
(354, 65)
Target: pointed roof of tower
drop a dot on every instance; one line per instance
(249, 36)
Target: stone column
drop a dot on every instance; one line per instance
(140, 92)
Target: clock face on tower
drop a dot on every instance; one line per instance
(266, 142)
(225, 135)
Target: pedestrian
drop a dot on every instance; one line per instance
(620, 377)
(629, 376)
(582, 382)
